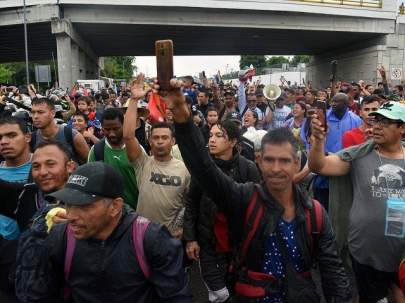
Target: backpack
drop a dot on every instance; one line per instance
(139, 227)
(252, 284)
(67, 133)
(99, 150)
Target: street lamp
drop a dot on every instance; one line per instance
(26, 44)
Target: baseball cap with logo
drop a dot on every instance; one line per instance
(90, 183)
(233, 116)
(391, 110)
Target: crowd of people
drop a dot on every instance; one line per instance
(112, 196)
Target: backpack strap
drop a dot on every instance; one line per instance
(139, 227)
(70, 249)
(33, 141)
(68, 133)
(314, 224)
(254, 214)
(99, 150)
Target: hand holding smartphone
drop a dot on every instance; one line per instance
(164, 63)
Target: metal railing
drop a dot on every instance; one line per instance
(360, 3)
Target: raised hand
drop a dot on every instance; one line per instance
(382, 72)
(137, 87)
(173, 97)
(317, 130)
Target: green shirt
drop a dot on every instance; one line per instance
(118, 159)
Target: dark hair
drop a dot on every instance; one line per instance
(16, 121)
(290, 90)
(112, 114)
(303, 106)
(85, 99)
(85, 117)
(380, 83)
(162, 125)
(46, 101)
(368, 85)
(400, 87)
(280, 136)
(231, 128)
(203, 91)
(212, 109)
(189, 78)
(58, 144)
(370, 99)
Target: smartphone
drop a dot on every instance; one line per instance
(164, 62)
(320, 110)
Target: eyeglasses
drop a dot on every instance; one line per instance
(384, 122)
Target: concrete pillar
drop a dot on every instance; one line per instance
(82, 64)
(360, 62)
(64, 54)
(75, 63)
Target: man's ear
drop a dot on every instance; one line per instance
(297, 164)
(27, 137)
(71, 166)
(117, 206)
(403, 128)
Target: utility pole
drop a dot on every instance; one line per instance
(26, 44)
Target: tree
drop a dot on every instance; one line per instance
(119, 67)
(14, 73)
(300, 59)
(6, 73)
(277, 60)
(259, 62)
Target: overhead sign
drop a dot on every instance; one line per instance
(43, 73)
(396, 73)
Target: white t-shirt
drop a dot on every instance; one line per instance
(162, 189)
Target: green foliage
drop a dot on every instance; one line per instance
(14, 73)
(277, 60)
(6, 73)
(258, 62)
(119, 67)
(299, 59)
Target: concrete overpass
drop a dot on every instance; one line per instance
(82, 31)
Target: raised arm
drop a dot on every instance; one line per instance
(225, 192)
(81, 147)
(318, 162)
(133, 148)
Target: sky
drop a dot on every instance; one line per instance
(191, 65)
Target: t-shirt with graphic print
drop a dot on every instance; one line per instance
(162, 189)
(117, 158)
(279, 116)
(375, 180)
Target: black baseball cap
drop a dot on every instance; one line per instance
(229, 92)
(259, 93)
(234, 117)
(90, 183)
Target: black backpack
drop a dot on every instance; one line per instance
(98, 149)
(68, 134)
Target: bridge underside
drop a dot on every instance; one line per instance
(138, 40)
